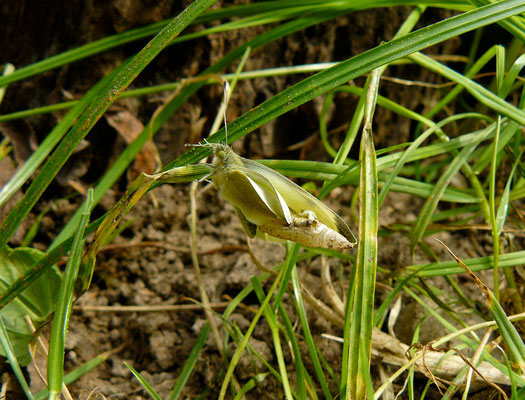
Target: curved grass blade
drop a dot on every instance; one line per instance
(492, 194)
(7, 69)
(190, 363)
(513, 24)
(145, 384)
(310, 342)
(55, 365)
(511, 75)
(271, 319)
(507, 133)
(501, 214)
(473, 71)
(250, 385)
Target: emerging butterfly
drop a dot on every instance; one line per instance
(269, 204)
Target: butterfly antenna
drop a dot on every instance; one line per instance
(226, 99)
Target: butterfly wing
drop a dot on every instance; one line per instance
(298, 199)
(253, 195)
(249, 228)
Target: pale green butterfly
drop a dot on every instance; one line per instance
(269, 204)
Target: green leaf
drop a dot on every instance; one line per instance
(15, 365)
(37, 301)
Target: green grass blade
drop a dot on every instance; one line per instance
(360, 335)
(492, 193)
(79, 372)
(57, 343)
(310, 343)
(314, 170)
(242, 345)
(190, 363)
(250, 385)
(513, 24)
(500, 68)
(511, 76)
(300, 370)
(341, 154)
(474, 69)
(39, 110)
(506, 135)
(143, 382)
(475, 264)
(271, 319)
(501, 214)
(289, 265)
(408, 152)
(7, 69)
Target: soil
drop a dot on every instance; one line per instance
(149, 263)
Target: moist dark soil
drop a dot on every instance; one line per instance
(149, 263)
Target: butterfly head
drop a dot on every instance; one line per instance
(222, 153)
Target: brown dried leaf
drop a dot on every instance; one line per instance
(129, 128)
